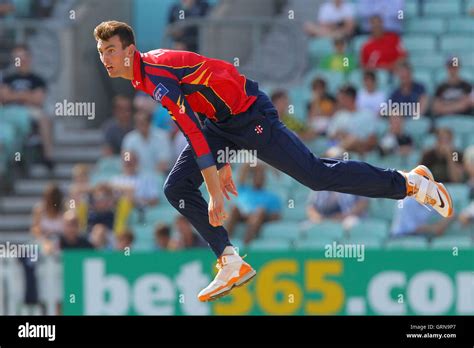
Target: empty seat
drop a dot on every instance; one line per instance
(426, 25)
(416, 42)
(320, 47)
(455, 43)
(441, 8)
(313, 244)
(370, 228)
(450, 242)
(325, 229)
(368, 241)
(270, 244)
(280, 230)
(381, 208)
(412, 242)
(461, 25)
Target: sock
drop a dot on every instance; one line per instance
(229, 250)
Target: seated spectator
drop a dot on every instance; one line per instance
(468, 160)
(336, 206)
(79, 193)
(72, 237)
(189, 35)
(369, 97)
(27, 89)
(409, 91)
(396, 141)
(282, 104)
(335, 18)
(353, 129)
(453, 96)
(255, 205)
(340, 60)
(466, 217)
(388, 10)
(124, 240)
(383, 50)
(102, 208)
(47, 221)
(163, 237)
(140, 189)
(441, 159)
(6, 7)
(321, 107)
(187, 238)
(118, 126)
(412, 218)
(100, 237)
(152, 145)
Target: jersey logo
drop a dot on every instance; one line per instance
(159, 92)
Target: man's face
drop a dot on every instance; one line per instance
(21, 59)
(117, 60)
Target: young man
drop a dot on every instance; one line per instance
(237, 115)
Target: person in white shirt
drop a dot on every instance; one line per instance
(152, 145)
(369, 98)
(335, 18)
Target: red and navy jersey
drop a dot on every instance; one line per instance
(185, 83)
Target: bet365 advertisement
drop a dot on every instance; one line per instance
(385, 282)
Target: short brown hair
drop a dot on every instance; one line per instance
(105, 30)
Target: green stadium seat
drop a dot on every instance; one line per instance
(430, 61)
(455, 228)
(460, 195)
(467, 60)
(412, 9)
(418, 127)
(461, 25)
(8, 139)
(163, 213)
(358, 42)
(450, 242)
(287, 230)
(319, 146)
(319, 48)
(369, 227)
(459, 124)
(455, 43)
(469, 5)
(108, 166)
(425, 26)
(326, 229)
(368, 241)
(269, 245)
(296, 214)
(412, 242)
(417, 42)
(313, 244)
(441, 8)
(381, 208)
(19, 117)
(425, 77)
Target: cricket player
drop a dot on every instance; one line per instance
(238, 116)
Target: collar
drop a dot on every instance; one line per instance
(137, 81)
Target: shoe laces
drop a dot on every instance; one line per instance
(428, 198)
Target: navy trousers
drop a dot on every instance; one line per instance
(260, 129)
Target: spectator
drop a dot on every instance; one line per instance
(453, 95)
(369, 97)
(340, 60)
(25, 88)
(99, 237)
(336, 206)
(160, 116)
(141, 189)
(388, 10)
(117, 127)
(383, 49)
(163, 237)
(6, 7)
(321, 107)
(409, 91)
(468, 160)
(187, 238)
(443, 159)
(255, 205)
(396, 141)
(353, 129)
(335, 18)
(187, 37)
(282, 104)
(124, 240)
(48, 214)
(412, 218)
(102, 210)
(152, 145)
(72, 238)
(79, 192)
(42, 8)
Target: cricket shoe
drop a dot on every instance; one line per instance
(422, 186)
(233, 272)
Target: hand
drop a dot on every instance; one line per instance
(226, 183)
(217, 214)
